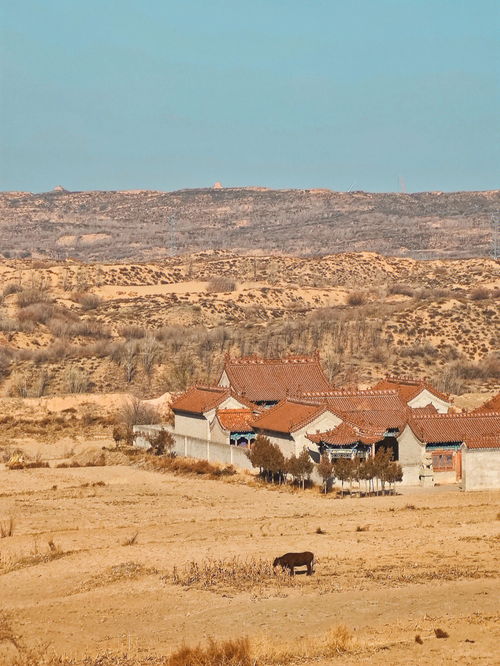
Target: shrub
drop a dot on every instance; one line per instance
(75, 380)
(221, 284)
(132, 332)
(88, 301)
(29, 384)
(479, 294)
(399, 288)
(31, 296)
(136, 412)
(188, 466)
(228, 652)
(6, 528)
(12, 288)
(162, 442)
(356, 298)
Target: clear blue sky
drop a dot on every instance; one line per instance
(166, 94)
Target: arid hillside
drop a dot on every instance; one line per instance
(70, 327)
(149, 226)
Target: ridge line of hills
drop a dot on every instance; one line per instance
(148, 225)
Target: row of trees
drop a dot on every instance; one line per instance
(377, 473)
(273, 465)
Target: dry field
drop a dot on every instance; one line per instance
(87, 566)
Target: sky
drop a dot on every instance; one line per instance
(375, 95)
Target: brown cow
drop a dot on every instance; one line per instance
(292, 560)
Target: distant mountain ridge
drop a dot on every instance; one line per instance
(146, 225)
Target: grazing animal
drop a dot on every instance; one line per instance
(292, 560)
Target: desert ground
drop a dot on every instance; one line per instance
(89, 568)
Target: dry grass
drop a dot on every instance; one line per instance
(187, 466)
(337, 642)
(230, 573)
(224, 653)
(7, 528)
(116, 573)
(130, 540)
(36, 556)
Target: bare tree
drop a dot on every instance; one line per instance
(149, 352)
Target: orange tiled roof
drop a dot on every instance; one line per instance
(427, 410)
(456, 427)
(200, 399)
(492, 442)
(376, 422)
(343, 434)
(359, 401)
(493, 405)
(261, 379)
(408, 387)
(288, 416)
(235, 420)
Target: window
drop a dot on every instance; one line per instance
(442, 462)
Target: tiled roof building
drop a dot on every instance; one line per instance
(492, 405)
(456, 427)
(415, 392)
(270, 380)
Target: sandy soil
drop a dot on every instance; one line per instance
(424, 559)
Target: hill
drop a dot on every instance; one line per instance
(70, 327)
(149, 226)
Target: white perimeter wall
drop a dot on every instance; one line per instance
(480, 469)
(194, 447)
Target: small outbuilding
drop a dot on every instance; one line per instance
(481, 463)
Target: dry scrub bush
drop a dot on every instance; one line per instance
(221, 285)
(131, 331)
(88, 301)
(6, 528)
(401, 289)
(356, 298)
(31, 383)
(217, 653)
(233, 573)
(136, 412)
(187, 466)
(11, 288)
(116, 573)
(32, 296)
(36, 556)
(75, 380)
(479, 294)
(336, 642)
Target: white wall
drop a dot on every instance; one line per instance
(323, 423)
(217, 432)
(224, 380)
(480, 469)
(285, 442)
(192, 425)
(425, 398)
(411, 449)
(194, 447)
